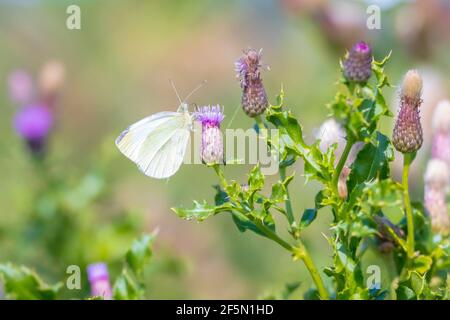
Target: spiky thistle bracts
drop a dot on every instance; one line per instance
(436, 184)
(212, 141)
(358, 64)
(408, 135)
(254, 97)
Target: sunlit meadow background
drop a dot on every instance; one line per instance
(117, 71)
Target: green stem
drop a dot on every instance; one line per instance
(270, 234)
(407, 160)
(289, 211)
(219, 173)
(261, 127)
(306, 258)
(299, 252)
(340, 165)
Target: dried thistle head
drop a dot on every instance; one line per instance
(408, 135)
(412, 87)
(254, 98)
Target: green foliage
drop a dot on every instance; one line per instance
(372, 161)
(284, 294)
(129, 285)
(360, 215)
(139, 253)
(24, 284)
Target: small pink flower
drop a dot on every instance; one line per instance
(99, 280)
(20, 87)
(436, 183)
(212, 141)
(441, 132)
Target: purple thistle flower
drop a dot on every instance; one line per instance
(358, 64)
(436, 183)
(99, 280)
(20, 86)
(441, 132)
(33, 123)
(408, 136)
(254, 98)
(212, 142)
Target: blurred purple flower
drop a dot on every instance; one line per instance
(33, 123)
(441, 132)
(436, 178)
(98, 277)
(20, 86)
(212, 142)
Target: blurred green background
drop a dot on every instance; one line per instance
(86, 202)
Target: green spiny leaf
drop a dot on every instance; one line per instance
(139, 253)
(309, 215)
(201, 211)
(24, 284)
(371, 162)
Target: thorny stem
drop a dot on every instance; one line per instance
(289, 212)
(261, 127)
(219, 173)
(299, 251)
(303, 254)
(263, 133)
(407, 160)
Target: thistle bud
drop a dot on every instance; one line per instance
(408, 136)
(99, 280)
(436, 183)
(358, 64)
(212, 142)
(254, 98)
(441, 132)
(33, 123)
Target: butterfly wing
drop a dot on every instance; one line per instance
(157, 144)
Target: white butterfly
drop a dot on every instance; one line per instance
(157, 144)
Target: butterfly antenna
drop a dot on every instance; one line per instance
(176, 91)
(234, 116)
(195, 89)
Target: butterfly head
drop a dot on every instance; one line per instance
(184, 107)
